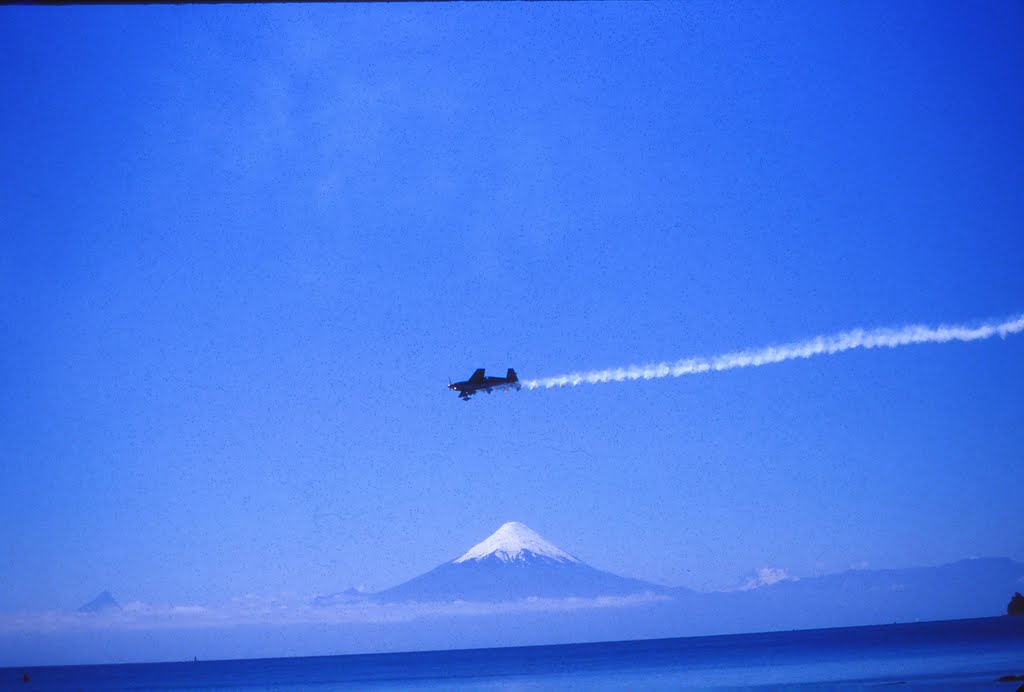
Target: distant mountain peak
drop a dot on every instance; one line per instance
(513, 542)
(101, 603)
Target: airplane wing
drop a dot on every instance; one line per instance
(478, 376)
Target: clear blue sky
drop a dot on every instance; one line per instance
(244, 248)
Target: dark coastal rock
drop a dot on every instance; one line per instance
(1012, 678)
(1016, 605)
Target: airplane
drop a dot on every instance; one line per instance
(479, 383)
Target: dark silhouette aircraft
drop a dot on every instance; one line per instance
(479, 383)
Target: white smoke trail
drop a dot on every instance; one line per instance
(818, 346)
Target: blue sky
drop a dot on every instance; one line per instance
(244, 248)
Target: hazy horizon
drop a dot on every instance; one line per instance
(754, 578)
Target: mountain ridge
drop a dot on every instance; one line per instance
(504, 568)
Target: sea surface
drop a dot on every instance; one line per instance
(958, 654)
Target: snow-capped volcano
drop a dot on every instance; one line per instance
(512, 563)
(515, 541)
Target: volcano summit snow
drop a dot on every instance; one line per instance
(513, 563)
(515, 541)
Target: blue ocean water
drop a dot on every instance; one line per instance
(964, 654)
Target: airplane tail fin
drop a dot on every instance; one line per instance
(511, 376)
